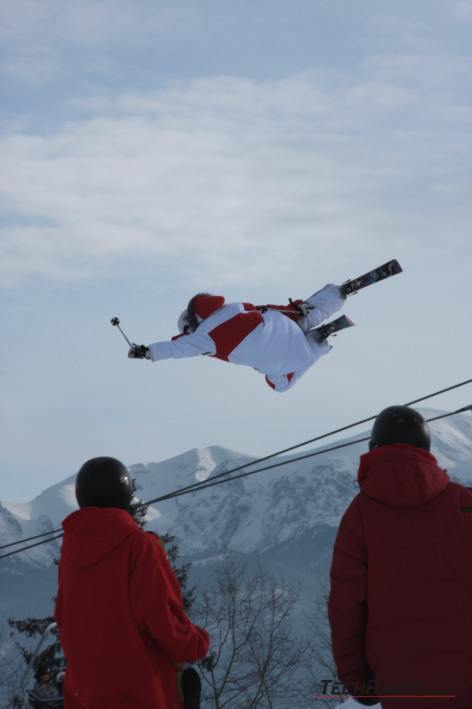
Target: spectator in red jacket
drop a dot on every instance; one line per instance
(120, 613)
(400, 606)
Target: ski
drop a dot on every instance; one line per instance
(391, 268)
(324, 331)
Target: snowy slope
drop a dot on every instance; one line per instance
(352, 704)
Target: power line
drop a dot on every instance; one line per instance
(214, 482)
(440, 391)
(196, 486)
(31, 546)
(29, 539)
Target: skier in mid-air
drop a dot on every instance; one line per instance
(281, 342)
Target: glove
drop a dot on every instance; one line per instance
(208, 663)
(191, 688)
(139, 352)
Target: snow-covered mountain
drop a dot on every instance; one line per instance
(249, 515)
(287, 516)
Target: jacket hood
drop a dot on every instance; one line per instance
(205, 305)
(92, 533)
(401, 475)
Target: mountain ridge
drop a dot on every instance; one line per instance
(246, 514)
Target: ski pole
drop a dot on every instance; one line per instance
(116, 323)
(285, 311)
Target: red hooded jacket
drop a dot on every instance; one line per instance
(122, 625)
(401, 582)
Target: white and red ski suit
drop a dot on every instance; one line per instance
(272, 342)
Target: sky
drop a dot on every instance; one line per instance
(252, 148)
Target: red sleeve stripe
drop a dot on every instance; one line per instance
(232, 332)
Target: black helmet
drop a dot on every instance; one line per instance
(104, 482)
(400, 424)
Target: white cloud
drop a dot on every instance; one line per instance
(227, 173)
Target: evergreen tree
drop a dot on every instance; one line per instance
(50, 660)
(138, 509)
(182, 572)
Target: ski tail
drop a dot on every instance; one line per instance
(324, 331)
(391, 268)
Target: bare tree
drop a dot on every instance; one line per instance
(256, 657)
(319, 662)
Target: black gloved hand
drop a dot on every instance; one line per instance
(191, 688)
(139, 352)
(208, 663)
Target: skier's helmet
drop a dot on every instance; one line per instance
(182, 322)
(104, 482)
(400, 424)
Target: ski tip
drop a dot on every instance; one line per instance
(395, 267)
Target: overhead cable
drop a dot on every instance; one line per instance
(195, 486)
(217, 480)
(31, 546)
